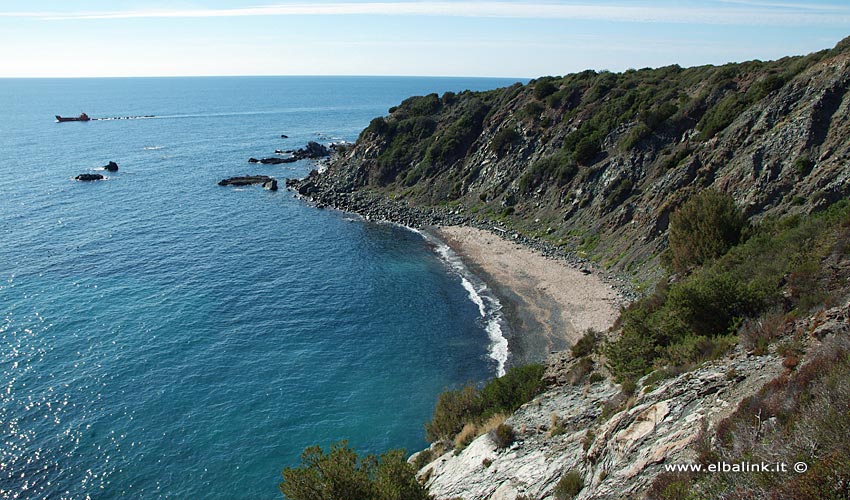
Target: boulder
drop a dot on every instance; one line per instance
(307, 189)
(313, 150)
(89, 177)
(111, 167)
(271, 185)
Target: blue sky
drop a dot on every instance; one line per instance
(448, 37)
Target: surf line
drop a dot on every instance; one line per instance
(479, 293)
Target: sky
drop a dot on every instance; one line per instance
(517, 39)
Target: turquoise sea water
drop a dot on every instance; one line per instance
(164, 337)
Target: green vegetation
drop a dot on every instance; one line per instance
(503, 435)
(704, 228)
(698, 317)
(341, 474)
(468, 405)
(586, 345)
(569, 486)
(504, 140)
(558, 169)
(544, 87)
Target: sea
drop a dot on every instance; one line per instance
(165, 337)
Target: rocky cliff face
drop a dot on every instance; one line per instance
(596, 162)
(616, 444)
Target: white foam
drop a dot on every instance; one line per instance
(488, 305)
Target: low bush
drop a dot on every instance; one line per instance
(504, 140)
(586, 345)
(544, 87)
(569, 486)
(341, 474)
(457, 408)
(704, 228)
(503, 435)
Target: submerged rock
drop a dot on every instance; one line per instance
(89, 177)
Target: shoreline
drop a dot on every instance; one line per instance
(548, 297)
(547, 303)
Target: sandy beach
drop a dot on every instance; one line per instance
(548, 303)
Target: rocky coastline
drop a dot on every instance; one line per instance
(326, 190)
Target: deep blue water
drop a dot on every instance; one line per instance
(161, 336)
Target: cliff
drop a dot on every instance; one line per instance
(594, 163)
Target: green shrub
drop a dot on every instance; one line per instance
(720, 116)
(342, 475)
(569, 486)
(423, 458)
(803, 165)
(507, 393)
(586, 150)
(532, 109)
(704, 228)
(503, 140)
(638, 133)
(452, 411)
(544, 87)
(559, 168)
(455, 409)
(586, 344)
(503, 435)
(619, 192)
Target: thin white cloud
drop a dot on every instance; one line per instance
(746, 12)
(788, 5)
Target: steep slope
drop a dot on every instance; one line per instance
(595, 162)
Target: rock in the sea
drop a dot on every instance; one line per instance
(89, 177)
(247, 180)
(111, 167)
(313, 150)
(271, 185)
(284, 136)
(273, 161)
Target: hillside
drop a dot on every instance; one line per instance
(724, 191)
(594, 163)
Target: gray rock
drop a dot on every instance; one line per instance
(89, 177)
(247, 180)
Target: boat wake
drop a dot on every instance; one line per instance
(112, 118)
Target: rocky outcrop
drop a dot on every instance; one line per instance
(312, 151)
(89, 177)
(246, 180)
(618, 444)
(111, 167)
(273, 160)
